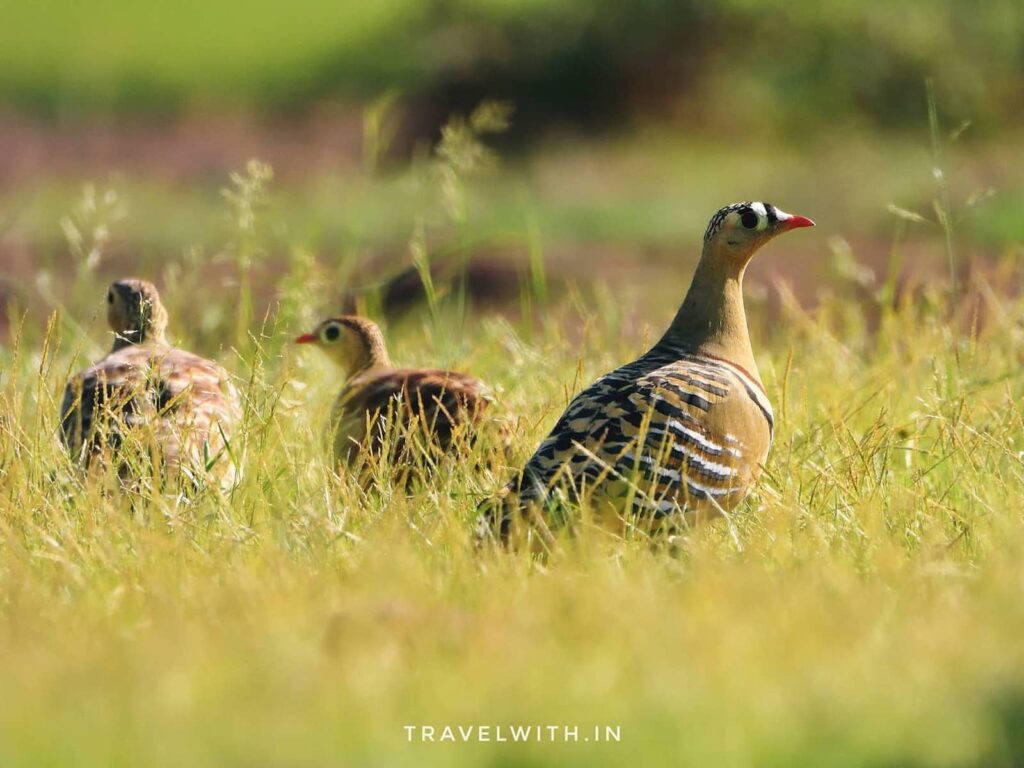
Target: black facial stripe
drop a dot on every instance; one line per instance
(772, 216)
(716, 221)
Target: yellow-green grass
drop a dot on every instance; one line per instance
(864, 607)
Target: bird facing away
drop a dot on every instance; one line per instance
(685, 428)
(386, 409)
(157, 408)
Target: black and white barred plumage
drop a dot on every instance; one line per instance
(685, 428)
(766, 212)
(669, 432)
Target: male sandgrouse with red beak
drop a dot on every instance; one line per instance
(382, 407)
(686, 428)
(147, 406)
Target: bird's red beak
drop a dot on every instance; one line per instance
(796, 222)
(306, 338)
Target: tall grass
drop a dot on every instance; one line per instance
(863, 607)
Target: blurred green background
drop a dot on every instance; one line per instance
(588, 63)
(632, 122)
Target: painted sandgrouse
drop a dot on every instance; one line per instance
(432, 406)
(684, 428)
(152, 406)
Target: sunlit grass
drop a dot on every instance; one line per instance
(863, 607)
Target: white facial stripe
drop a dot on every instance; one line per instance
(728, 217)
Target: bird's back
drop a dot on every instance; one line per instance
(389, 407)
(181, 406)
(671, 431)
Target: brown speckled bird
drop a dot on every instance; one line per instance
(685, 428)
(432, 405)
(171, 409)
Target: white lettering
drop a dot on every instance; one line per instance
(519, 733)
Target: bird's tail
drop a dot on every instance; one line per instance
(515, 517)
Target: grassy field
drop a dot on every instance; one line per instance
(864, 607)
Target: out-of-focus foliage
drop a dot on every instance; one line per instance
(735, 62)
(821, 60)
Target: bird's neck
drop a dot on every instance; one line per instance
(373, 358)
(711, 319)
(151, 338)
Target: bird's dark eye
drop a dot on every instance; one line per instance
(110, 297)
(331, 333)
(749, 219)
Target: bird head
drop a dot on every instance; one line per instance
(737, 231)
(135, 313)
(354, 343)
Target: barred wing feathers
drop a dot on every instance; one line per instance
(670, 431)
(435, 403)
